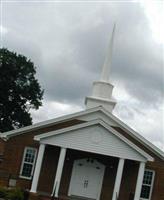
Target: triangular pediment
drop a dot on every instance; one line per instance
(87, 116)
(96, 137)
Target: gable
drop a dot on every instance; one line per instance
(125, 130)
(87, 115)
(95, 138)
(136, 142)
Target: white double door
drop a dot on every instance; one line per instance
(87, 178)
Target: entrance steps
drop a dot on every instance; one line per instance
(46, 197)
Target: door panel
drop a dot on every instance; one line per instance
(87, 177)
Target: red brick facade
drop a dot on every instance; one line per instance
(13, 149)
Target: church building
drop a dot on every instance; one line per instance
(88, 155)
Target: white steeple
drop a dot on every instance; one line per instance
(108, 59)
(102, 89)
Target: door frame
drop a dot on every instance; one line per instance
(73, 173)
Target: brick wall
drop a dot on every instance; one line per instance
(13, 154)
(14, 149)
(2, 147)
(157, 166)
(48, 169)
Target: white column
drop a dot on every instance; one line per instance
(59, 172)
(37, 168)
(118, 179)
(139, 181)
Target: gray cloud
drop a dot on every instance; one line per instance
(68, 41)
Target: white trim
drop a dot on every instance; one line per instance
(38, 168)
(23, 161)
(136, 135)
(24, 177)
(118, 179)
(8, 134)
(152, 184)
(122, 125)
(139, 181)
(93, 122)
(59, 171)
(100, 180)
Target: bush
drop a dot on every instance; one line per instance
(3, 192)
(14, 194)
(11, 194)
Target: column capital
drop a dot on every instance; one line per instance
(122, 159)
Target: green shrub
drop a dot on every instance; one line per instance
(14, 194)
(3, 192)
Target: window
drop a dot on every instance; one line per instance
(147, 184)
(28, 162)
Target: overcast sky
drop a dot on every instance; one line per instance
(67, 42)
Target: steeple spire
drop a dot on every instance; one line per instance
(108, 60)
(102, 90)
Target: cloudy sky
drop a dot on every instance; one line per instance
(67, 42)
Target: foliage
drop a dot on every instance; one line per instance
(19, 90)
(3, 192)
(11, 194)
(14, 194)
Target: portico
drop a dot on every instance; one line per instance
(104, 152)
(88, 177)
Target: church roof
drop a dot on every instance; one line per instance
(82, 115)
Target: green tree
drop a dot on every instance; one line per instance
(19, 90)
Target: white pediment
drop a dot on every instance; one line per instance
(87, 115)
(96, 137)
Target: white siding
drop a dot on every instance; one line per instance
(95, 139)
